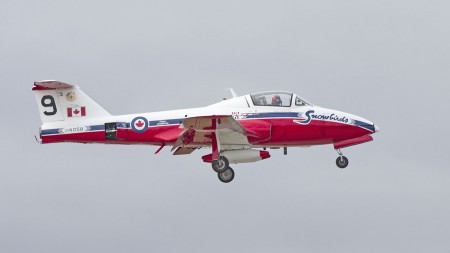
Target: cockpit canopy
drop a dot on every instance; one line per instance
(277, 98)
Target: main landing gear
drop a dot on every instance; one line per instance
(226, 176)
(223, 169)
(341, 161)
(220, 165)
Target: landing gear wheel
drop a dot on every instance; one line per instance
(226, 176)
(220, 165)
(342, 162)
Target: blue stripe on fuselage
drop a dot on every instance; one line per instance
(271, 115)
(97, 127)
(59, 130)
(365, 125)
(50, 131)
(165, 122)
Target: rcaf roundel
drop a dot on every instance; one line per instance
(139, 124)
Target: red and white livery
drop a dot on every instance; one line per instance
(237, 130)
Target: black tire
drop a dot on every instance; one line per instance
(226, 177)
(342, 162)
(220, 165)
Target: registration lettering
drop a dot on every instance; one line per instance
(71, 130)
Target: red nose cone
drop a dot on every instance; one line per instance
(264, 154)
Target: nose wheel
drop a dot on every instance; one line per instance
(341, 161)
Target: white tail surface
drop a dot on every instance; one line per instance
(58, 101)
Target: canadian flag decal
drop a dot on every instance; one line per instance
(76, 111)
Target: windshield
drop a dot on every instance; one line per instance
(301, 101)
(273, 98)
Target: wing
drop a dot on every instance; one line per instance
(208, 130)
(183, 151)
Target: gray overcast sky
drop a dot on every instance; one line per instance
(387, 61)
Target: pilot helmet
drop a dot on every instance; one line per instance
(276, 100)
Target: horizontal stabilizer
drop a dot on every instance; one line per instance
(51, 85)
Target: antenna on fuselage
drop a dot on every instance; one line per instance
(37, 140)
(233, 93)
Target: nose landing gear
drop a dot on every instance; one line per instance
(341, 161)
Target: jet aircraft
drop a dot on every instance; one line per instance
(237, 130)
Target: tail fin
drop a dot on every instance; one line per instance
(58, 101)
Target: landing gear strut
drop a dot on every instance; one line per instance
(220, 164)
(341, 161)
(227, 175)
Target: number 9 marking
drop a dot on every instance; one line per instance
(46, 103)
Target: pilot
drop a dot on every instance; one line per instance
(276, 100)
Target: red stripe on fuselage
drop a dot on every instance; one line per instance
(84, 137)
(287, 132)
(283, 132)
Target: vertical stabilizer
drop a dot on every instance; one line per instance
(58, 101)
